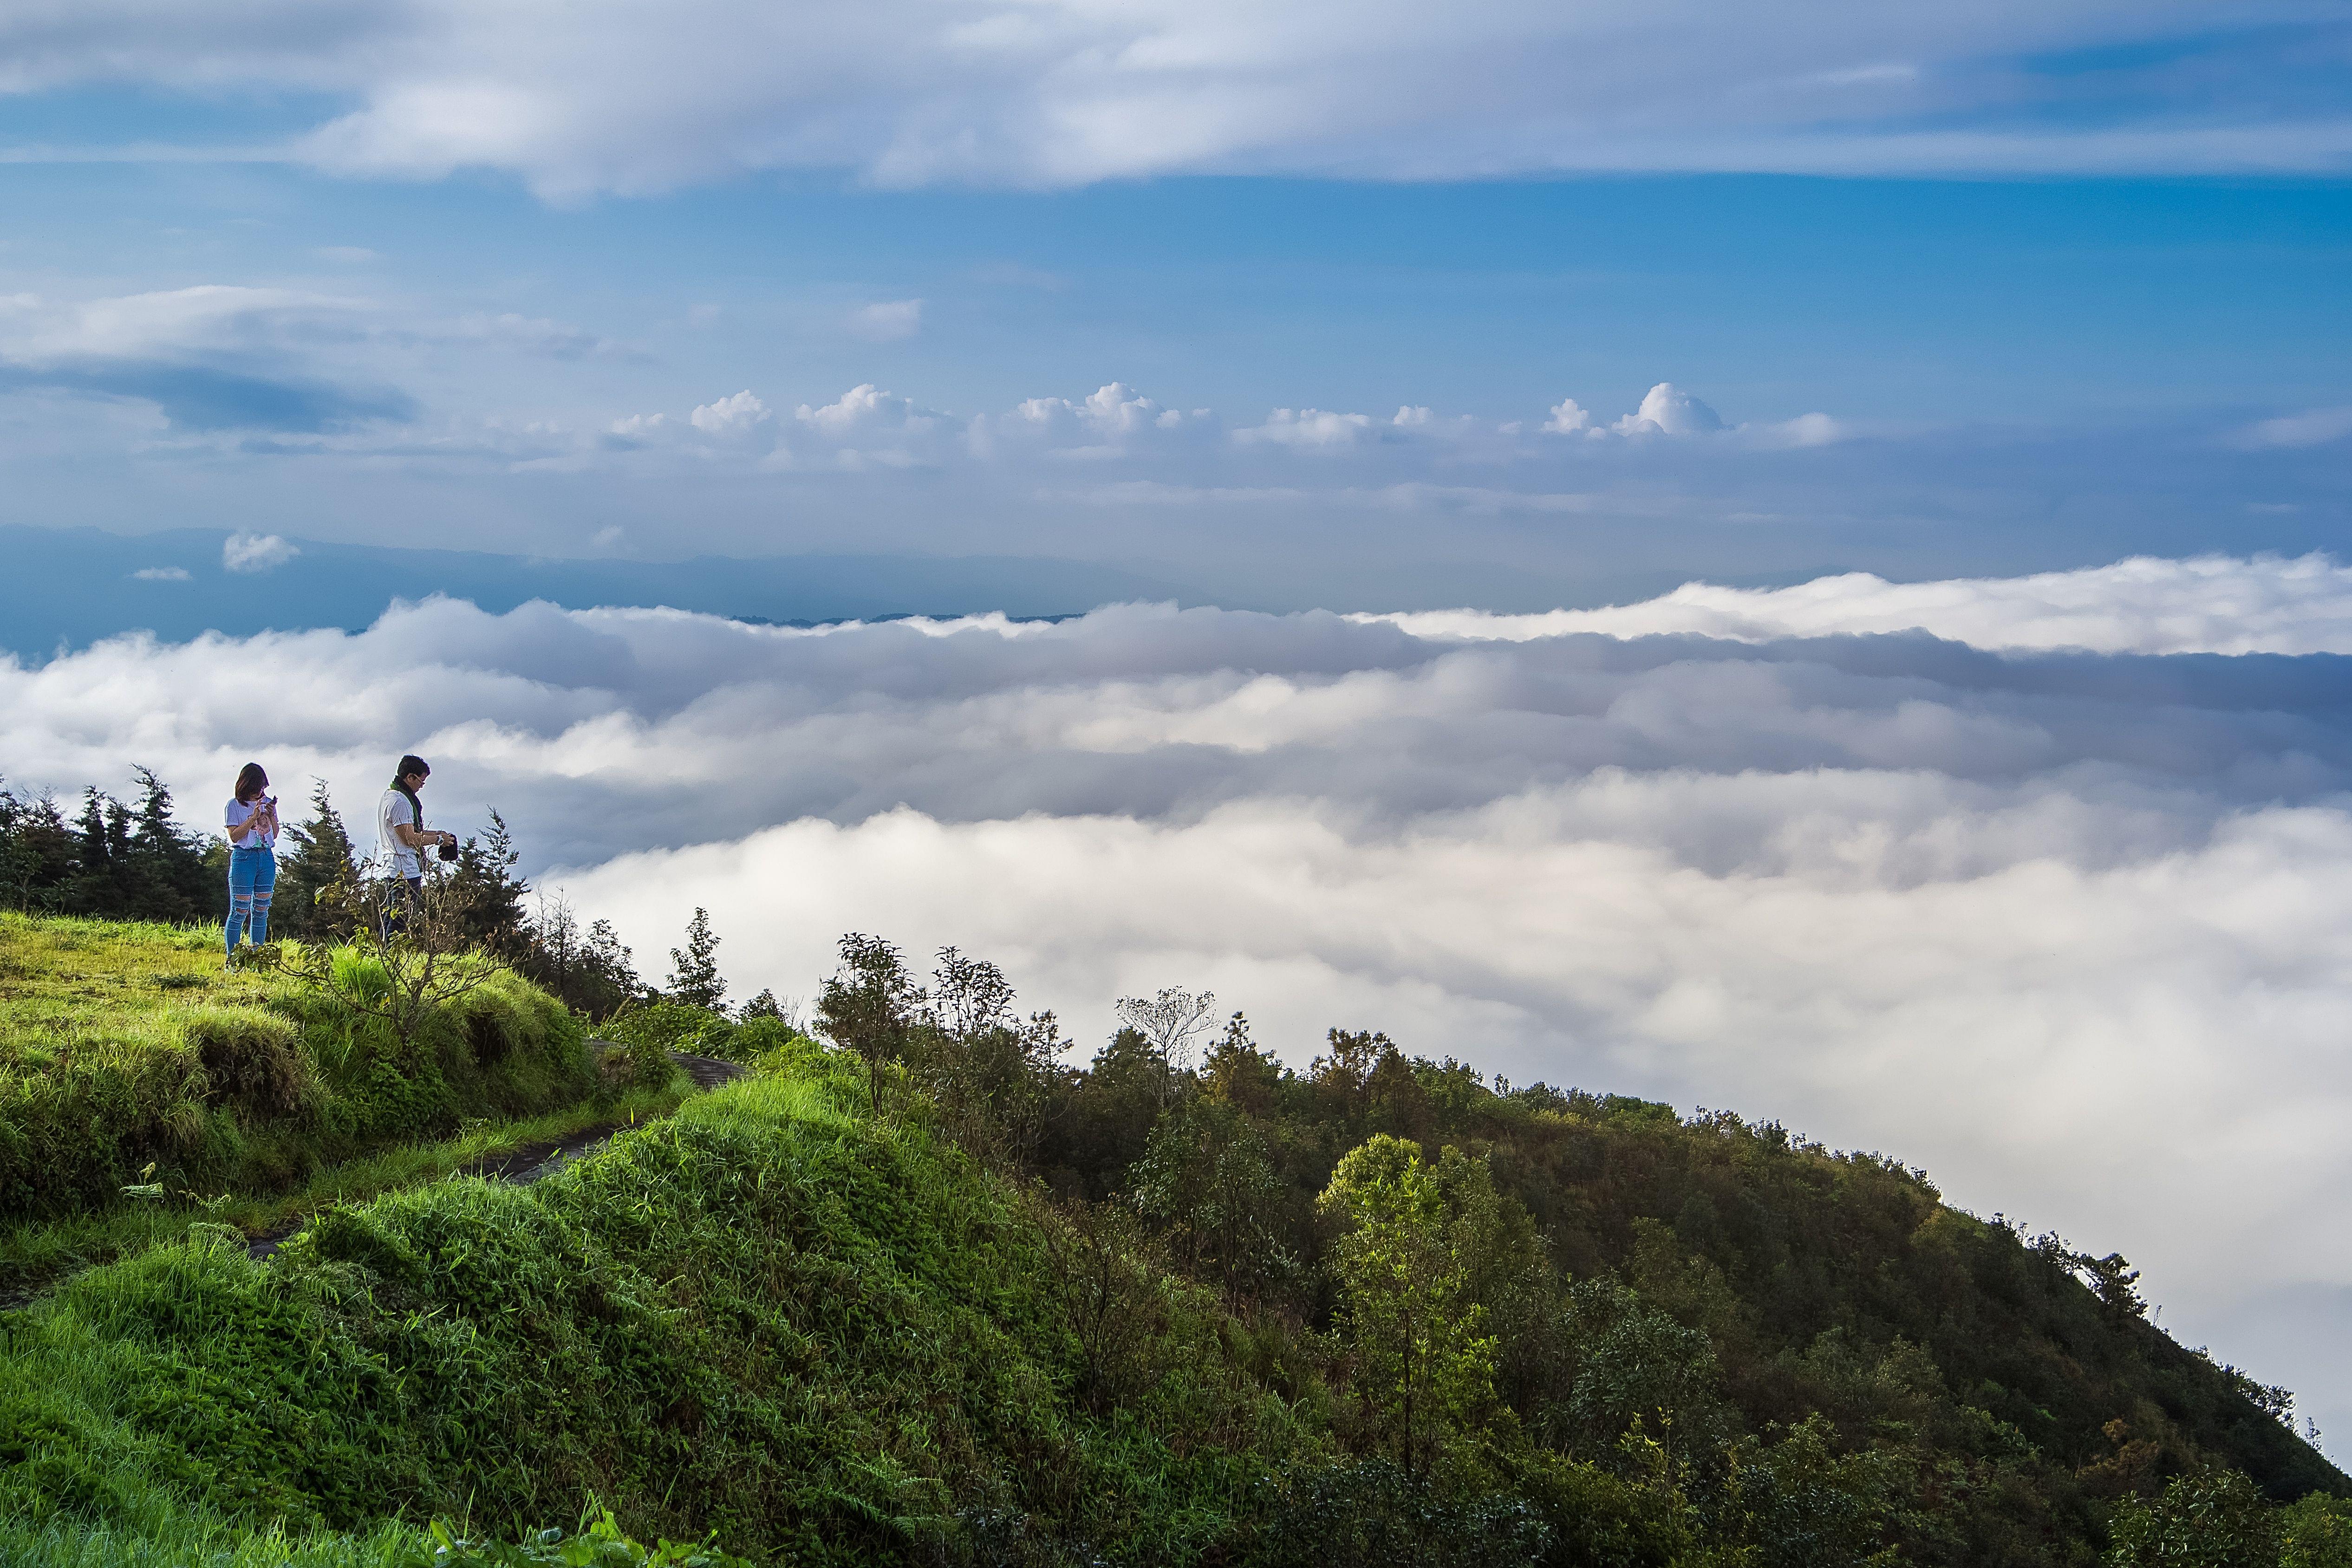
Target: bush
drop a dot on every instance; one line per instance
(2316, 1533)
(2212, 1519)
(598, 1543)
(252, 1060)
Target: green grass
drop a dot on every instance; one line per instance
(126, 1045)
(36, 1253)
(74, 989)
(829, 1340)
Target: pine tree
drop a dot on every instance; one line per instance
(36, 851)
(490, 896)
(321, 861)
(102, 884)
(167, 862)
(694, 969)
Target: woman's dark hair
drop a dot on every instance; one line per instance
(251, 781)
(408, 765)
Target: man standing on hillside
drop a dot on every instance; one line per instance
(402, 837)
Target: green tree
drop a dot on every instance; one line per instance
(36, 851)
(1424, 1365)
(490, 897)
(312, 878)
(103, 880)
(1208, 1181)
(166, 863)
(1239, 1074)
(870, 1005)
(589, 968)
(1109, 1112)
(2316, 1532)
(694, 969)
(991, 1074)
(2214, 1518)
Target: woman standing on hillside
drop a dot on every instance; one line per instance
(252, 857)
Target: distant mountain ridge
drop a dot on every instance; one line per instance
(71, 587)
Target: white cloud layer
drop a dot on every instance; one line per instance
(629, 97)
(2208, 604)
(2030, 918)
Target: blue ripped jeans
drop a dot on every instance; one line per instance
(252, 875)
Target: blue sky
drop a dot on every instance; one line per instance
(2006, 289)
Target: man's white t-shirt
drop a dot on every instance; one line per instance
(395, 808)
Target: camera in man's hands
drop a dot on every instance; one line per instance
(447, 852)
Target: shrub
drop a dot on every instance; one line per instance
(2316, 1533)
(252, 1058)
(599, 1543)
(2214, 1519)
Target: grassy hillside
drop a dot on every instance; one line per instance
(1379, 1311)
(124, 1045)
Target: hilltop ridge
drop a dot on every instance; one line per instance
(924, 1291)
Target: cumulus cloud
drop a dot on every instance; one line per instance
(1568, 417)
(2144, 605)
(223, 361)
(253, 553)
(2026, 916)
(1667, 410)
(623, 99)
(1114, 420)
(724, 416)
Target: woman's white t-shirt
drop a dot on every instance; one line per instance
(395, 808)
(239, 812)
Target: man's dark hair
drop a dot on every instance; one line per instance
(408, 765)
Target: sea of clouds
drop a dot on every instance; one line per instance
(2044, 883)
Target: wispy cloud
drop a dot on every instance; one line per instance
(632, 100)
(887, 320)
(2313, 427)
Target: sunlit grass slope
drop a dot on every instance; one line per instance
(124, 1045)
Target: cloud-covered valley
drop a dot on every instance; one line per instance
(2044, 883)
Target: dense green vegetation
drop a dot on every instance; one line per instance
(928, 1293)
